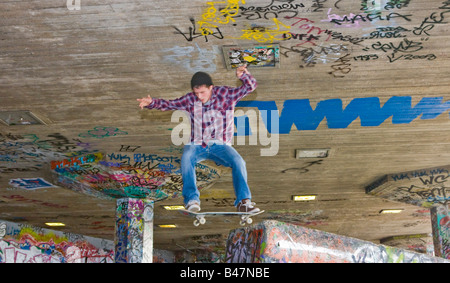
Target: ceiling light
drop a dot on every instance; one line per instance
(167, 226)
(173, 207)
(304, 198)
(311, 153)
(391, 211)
(55, 224)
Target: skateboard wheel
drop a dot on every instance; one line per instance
(249, 221)
(196, 222)
(202, 221)
(242, 223)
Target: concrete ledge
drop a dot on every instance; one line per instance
(274, 241)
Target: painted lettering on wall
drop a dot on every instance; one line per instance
(300, 113)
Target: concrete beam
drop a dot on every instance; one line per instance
(274, 241)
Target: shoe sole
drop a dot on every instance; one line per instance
(193, 209)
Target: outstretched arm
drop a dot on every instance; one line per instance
(165, 105)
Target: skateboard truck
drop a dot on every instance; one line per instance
(200, 217)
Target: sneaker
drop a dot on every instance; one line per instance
(193, 206)
(247, 206)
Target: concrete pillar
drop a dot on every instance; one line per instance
(134, 231)
(440, 223)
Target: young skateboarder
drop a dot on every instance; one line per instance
(211, 111)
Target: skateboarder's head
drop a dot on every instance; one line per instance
(200, 79)
(202, 86)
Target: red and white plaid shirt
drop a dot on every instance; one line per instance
(214, 120)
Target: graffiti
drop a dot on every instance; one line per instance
(370, 5)
(129, 148)
(300, 113)
(429, 22)
(134, 231)
(375, 5)
(210, 19)
(366, 57)
(388, 32)
(27, 153)
(318, 5)
(429, 57)
(426, 188)
(58, 143)
(128, 174)
(416, 194)
(333, 17)
(267, 35)
(192, 58)
(308, 27)
(299, 217)
(245, 245)
(27, 244)
(420, 173)
(311, 55)
(346, 38)
(440, 220)
(273, 10)
(193, 34)
(74, 161)
(406, 46)
(30, 183)
(368, 18)
(102, 132)
(278, 242)
(304, 169)
(341, 67)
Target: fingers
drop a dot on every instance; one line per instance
(241, 70)
(145, 101)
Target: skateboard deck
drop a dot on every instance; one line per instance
(200, 217)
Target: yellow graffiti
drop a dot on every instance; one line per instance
(267, 35)
(210, 18)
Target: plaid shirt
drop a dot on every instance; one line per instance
(214, 120)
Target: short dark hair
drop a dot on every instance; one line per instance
(201, 78)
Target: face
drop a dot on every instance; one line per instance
(203, 93)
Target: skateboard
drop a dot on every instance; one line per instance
(246, 217)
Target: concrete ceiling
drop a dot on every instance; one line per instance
(80, 66)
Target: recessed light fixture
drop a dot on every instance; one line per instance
(168, 226)
(55, 224)
(173, 207)
(304, 198)
(311, 153)
(390, 211)
(20, 117)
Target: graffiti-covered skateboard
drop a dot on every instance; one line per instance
(200, 217)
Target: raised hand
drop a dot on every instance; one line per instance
(241, 70)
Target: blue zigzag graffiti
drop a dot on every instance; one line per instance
(299, 112)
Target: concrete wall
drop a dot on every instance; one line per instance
(27, 244)
(274, 241)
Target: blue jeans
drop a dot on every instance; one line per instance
(221, 154)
